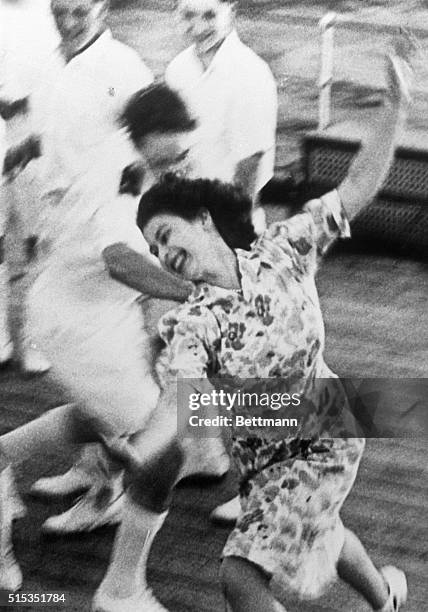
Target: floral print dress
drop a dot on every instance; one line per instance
(291, 488)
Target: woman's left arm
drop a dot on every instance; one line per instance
(369, 169)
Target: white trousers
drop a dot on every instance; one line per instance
(99, 352)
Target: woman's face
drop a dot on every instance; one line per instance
(206, 22)
(182, 246)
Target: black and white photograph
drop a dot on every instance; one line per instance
(214, 305)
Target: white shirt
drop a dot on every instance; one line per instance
(90, 325)
(90, 216)
(2, 141)
(79, 103)
(235, 102)
(3, 214)
(28, 37)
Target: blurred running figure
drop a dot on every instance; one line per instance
(93, 329)
(28, 38)
(74, 104)
(158, 136)
(78, 124)
(231, 92)
(75, 108)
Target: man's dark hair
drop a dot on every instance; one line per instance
(156, 108)
(229, 207)
(290, 192)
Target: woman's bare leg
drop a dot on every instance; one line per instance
(246, 587)
(357, 569)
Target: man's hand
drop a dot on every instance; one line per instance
(405, 45)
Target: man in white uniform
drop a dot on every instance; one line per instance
(93, 330)
(83, 91)
(75, 104)
(77, 125)
(231, 92)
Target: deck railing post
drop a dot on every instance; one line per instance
(326, 26)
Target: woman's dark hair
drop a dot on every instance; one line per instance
(229, 207)
(156, 108)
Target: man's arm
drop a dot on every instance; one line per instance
(137, 271)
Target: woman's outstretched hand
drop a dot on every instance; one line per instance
(371, 166)
(399, 71)
(405, 45)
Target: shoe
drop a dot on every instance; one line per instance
(227, 513)
(33, 362)
(11, 507)
(205, 458)
(397, 588)
(144, 601)
(86, 515)
(10, 573)
(73, 481)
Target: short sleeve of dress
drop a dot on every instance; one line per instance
(329, 220)
(307, 235)
(192, 336)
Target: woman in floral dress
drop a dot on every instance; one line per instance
(255, 315)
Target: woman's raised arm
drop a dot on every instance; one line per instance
(369, 169)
